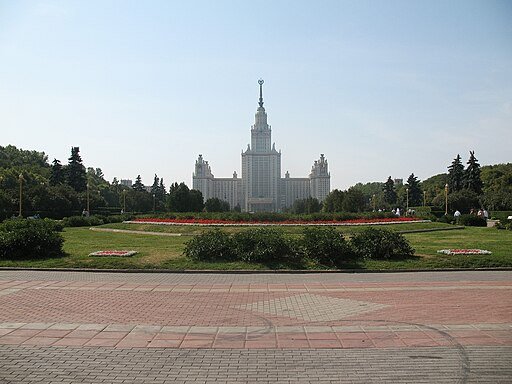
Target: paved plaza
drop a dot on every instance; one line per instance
(90, 327)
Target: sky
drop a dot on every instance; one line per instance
(382, 88)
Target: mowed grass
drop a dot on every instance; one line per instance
(166, 252)
(190, 230)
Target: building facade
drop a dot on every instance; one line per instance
(261, 187)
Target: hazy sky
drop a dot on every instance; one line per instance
(142, 87)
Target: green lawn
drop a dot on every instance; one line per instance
(166, 251)
(288, 229)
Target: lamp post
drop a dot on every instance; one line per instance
(424, 198)
(88, 203)
(20, 178)
(373, 197)
(446, 199)
(154, 203)
(407, 202)
(124, 200)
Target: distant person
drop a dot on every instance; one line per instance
(486, 214)
(398, 211)
(480, 213)
(457, 216)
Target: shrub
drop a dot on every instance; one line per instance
(373, 243)
(55, 224)
(29, 239)
(263, 245)
(507, 225)
(81, 221)
(210, 246)
(325, 245)
(446, 219)
(472, 221)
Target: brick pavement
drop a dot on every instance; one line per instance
(425, 327)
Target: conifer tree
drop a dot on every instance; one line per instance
(155, 186)
(56, 173)
(389, 191)
(415, 193)
(456, 175)
(138, 186)
(75, 171)
(472, 180)
(161, 188)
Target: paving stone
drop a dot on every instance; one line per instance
(313, 328)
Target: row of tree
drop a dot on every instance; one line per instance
(60, 190)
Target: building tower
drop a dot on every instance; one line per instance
(202, 177)
(320, 179)
(261, 166)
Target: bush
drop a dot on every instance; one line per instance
(472, 221)
(55, 224)
(82, 221)
(29, 239)
(263, 245)
(373, 243)
(325, 245)
(450, 219)
(210, 246)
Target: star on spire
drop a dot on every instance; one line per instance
(260, 82)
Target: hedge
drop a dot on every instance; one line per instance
(30, 239)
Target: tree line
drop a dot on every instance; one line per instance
(58, 190)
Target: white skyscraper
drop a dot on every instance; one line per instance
(261, 187)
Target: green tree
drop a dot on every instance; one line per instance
(138, 186)
(434, 186)
(333, 202)
(390, 195)
(137, 201)
(75, 171)
(415, 193)
(178, 199)
(456, 175)
(158, 191)
(215, 204)
(29, 161)
(57, 175)
(463, 200)
(309, 205)
(353, 201)
(497, 201)
(472, 179)
(195, 199)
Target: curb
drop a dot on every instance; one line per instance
(255, 272)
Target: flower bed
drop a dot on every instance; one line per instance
(113, 253)
(216, 222)
(464, 252)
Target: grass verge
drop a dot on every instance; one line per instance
(166, 252)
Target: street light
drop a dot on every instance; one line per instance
(20, 178)
(88, 211)
(407, 209)
(154, 203)
(373, 202)
(446, 199)
(424, 198)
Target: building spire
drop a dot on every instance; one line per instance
(260, 82)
